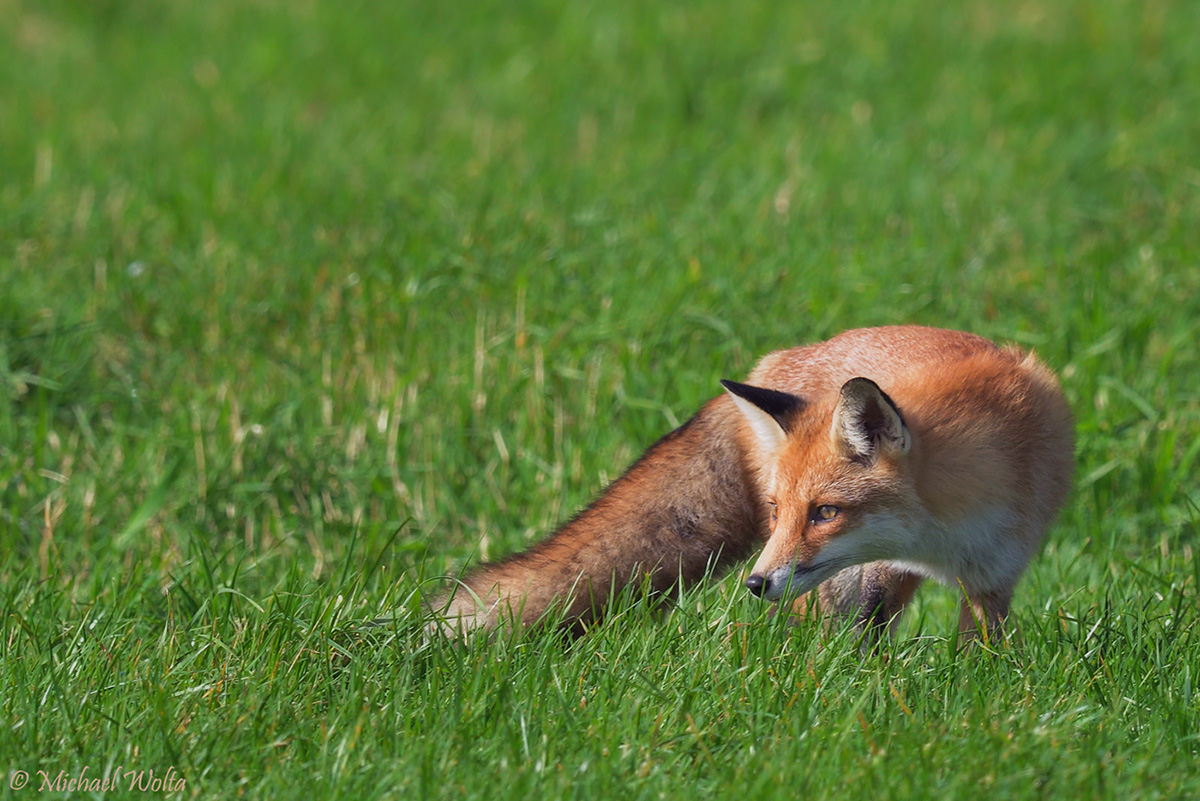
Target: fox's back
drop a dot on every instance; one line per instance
(883, 353)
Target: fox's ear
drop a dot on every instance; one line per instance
(770, 413)
(866, 422)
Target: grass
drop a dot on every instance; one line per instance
(303, 304)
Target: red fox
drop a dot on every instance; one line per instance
(866, 464)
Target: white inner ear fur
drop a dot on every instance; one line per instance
(770, 434)
(865, 421)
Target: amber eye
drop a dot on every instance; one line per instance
(825, 512)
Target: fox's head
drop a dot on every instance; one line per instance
(839, 488)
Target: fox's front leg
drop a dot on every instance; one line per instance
(873, 595)
(982, 614)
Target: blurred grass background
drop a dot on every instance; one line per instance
(300, 303)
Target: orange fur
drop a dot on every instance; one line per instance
(949, 461)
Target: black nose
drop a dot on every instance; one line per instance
(755, 584)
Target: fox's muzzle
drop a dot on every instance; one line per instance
(789, 581)
(773, 585)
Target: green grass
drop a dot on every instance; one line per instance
(302, 304)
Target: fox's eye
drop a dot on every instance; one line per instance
(774, 511)
(825, 512)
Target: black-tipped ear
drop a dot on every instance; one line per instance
(782, 406)
(867, 421)
(770, 413)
